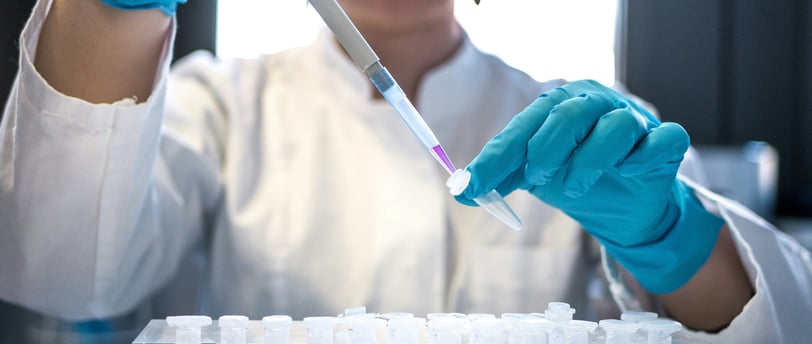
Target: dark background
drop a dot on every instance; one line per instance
(730, 71)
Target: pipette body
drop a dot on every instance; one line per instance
(368, 62)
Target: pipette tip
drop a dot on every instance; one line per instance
(497, 206)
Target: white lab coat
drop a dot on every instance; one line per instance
(308, 195)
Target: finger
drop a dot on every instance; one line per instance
(665, 144)
(507, 151)
(568, 124)
(609, 142)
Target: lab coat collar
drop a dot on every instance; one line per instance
(456, 70)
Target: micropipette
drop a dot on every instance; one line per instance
(369, 63)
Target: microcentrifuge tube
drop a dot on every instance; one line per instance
(488, 331)
(405, 330)
(577, 331)
(531, 331)
(232, 329)
(635, 316)
(660, 330)
(447, 330)
(559, 312)
(364, 330)
(188, 327)
(320, 329)
(479, 316)
(512, 321)
(618, 331)
(491, 201)
(277, 329)
(393, 315)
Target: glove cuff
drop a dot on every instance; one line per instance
(666, 264)
(167, 6)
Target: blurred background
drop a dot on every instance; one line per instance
(737, 74)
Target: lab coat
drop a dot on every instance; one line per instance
(307, 196)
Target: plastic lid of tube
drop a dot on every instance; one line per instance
(432, 316)
(514, 316)
(559, 311)
(277, 322)
(320, 322)
(618, 325)
(355, 323)
(355, 311)
(395, 315)
(480, 316)
(449, 323)
(188, 321)
(405, 323)
(638, 316)
(233, 321)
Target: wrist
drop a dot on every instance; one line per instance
(667, 263)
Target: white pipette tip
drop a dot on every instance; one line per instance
(492, 201)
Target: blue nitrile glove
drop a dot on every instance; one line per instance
(167, 6)
(610, 165)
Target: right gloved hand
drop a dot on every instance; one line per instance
(167, 6)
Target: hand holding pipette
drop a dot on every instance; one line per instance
(368, 62)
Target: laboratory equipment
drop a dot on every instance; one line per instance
(559, 312)
(635, 316)
(188, 327)
(660, 330)
(369, 63)
(363, 330)
(446, 330)
(277, 329)
(488, 331)
(320, 329)
(479, 316)
(393, 315)
(577, 331)
(405, 330)
(232, 329)
(513, 321)
(618, 331)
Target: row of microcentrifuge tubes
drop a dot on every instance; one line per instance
(355, 326)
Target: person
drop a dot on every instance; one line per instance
(308, 195)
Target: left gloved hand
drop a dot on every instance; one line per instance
(611, 165)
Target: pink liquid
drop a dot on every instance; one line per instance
(440, 155)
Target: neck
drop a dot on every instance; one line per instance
(411, 53)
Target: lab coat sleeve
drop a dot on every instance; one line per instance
(98, 202)
(779, 269)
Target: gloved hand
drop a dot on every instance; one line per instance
(167, 6)
(610, 165)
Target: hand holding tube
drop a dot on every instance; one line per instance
(611, 165)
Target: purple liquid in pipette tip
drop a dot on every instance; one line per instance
(440, 153)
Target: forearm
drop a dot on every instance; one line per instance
(100, 54)
(716, 293)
